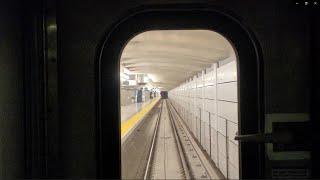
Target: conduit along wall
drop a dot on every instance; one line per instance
(208, 104)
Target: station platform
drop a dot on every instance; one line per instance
(129, 110)
(132, 114)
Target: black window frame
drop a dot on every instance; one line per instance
(178, 17)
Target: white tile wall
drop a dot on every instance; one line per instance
(206, 131)
(205, 94)
(198, 123)
(198, 102)
(208, 104)
(208, 138)
(223, 164)
(210, 92)
(193, 92)
(233, 153)
(213, 121)
(233, 172)
(193, 123)
(232, 130)
(202, 131)
(205, 116)
(214, 145)
(228, 91)
(199, 92)
(206, 78)
(222, 144)
(227, 72)
(222, 128)
(213, 76)
(228, 110)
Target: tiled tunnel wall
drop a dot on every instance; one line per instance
(208, 103)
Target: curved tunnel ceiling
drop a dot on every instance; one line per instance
(172, 56)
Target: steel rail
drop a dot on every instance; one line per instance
(151, 152)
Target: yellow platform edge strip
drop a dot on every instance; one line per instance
(127, 125)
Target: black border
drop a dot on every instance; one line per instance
(165, 17)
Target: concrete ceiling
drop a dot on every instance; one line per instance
(172, 56)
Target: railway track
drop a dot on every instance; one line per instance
(174, 154)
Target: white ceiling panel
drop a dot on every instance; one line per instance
(172, 56)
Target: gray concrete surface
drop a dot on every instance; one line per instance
(131, 109)
(166, 162)
(135, 150)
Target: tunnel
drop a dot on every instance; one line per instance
(195, 73)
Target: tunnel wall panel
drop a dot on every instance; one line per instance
(228, 92)
(212, 98)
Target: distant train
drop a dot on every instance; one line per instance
(164, 94)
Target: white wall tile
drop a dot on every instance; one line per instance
(199, 103)
(214, 145)
(227, 72)
(210, 92)
(228, 110)
(205, 116)
(233, 172)
(194, 92)
(198, 126)
(194, 125)
(202, 137)
(223, 164)
(213, 121)
(199, 82)
(210, 105)
(197, 111)
(206, 80)
(222, 123)
(233, 153)
(222, 144)
(205, 103)
(232, 130)
(213, 78)
(198, 99)
(228, 91)
(208, 136)
(199, 92)
(205, 92)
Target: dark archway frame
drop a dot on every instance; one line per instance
(173, 17)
